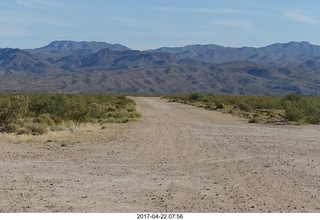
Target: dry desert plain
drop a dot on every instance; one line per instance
(177, 158)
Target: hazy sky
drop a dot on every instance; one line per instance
(150, 24)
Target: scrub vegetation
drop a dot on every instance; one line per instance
(288, 109)
(38, 113)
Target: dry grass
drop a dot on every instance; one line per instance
(85, 133)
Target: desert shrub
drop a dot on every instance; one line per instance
(115, 120)
(220, 106)
(112, 109)
(195, 96)
(292, 97)
(255, 120)
(37, 128)
(312, 111)
(58, 128)
(13, 108)
(244, 106)
(25, 121)
(67, 123)
(62, 109)
(13, 128)
(133, 114)
(272, 113)
(122, 120)
(44, 119)
(98, 111)
(293, 112)
(107, 120)
(290, 107)
(26, 131)
(130, 108)
(118, 114)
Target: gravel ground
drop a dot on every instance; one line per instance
(178, 158)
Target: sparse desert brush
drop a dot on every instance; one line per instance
(67, 123)
(44, 119)
(133, 114)
(58, 128)
(130, 108)
(13, 128)
(38, 128)
(195, 96)
(108, 120)
(255, 120)
(258, 109)
(115, 120)
(220, 106)
(245, 107)
(34, 111)
(117, 114)
(26, 131)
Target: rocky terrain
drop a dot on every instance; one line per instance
(98, 67)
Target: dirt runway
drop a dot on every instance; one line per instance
(178, 158)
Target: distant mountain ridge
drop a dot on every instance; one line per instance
(99, 67)
(287, 54)
(16, 61)
(63, 48)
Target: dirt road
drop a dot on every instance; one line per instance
(178, 158)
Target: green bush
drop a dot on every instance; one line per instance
(293, 112)
(195, 96)
(112, 109)
(118, 114)
(14, 108)
(244, 107)
(60, 109)
(312, 111)
(292, 97)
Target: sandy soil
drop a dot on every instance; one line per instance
(178, 158)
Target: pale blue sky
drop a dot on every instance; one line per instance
(150, 24)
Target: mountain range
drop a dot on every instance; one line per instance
(99, 67)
